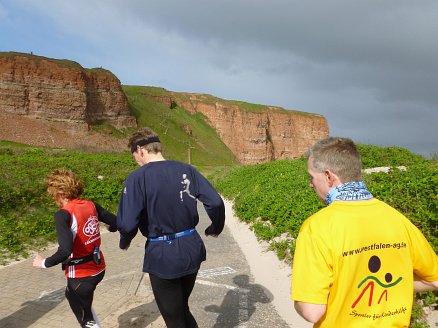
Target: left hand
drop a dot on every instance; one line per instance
(38, 261)
(124, 245)
(207, 232)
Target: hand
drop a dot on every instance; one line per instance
(124, 245)
(209, 230)
(111, 228)
(38, 261)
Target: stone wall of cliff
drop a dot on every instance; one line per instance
(62, 91)
(255, 136)
(65, 94)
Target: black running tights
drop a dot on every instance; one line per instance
(172, 297)
(79, 293)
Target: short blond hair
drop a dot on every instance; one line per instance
(338, 155)
(64, 182)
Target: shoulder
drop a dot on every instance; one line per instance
(180, 165)
(62, 216)
(136, 175)
(176, 167)
(319, 217)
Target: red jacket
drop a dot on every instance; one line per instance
(84, 226)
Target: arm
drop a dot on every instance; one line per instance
(311, 312)
(213, 204)
(216, 213)
(65, 242)
(106, 217)
(425, 262)
(130, 209)
(423, 286)
(312, 275)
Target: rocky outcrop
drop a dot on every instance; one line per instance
(66, 97)
(257, 135)
(62, 91)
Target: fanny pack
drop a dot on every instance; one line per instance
(95, 257)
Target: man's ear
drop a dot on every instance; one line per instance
(332, 179)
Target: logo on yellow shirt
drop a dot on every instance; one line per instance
(374, 265)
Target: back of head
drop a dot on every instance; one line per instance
(338, 155)
(143, 135)
(65, 183)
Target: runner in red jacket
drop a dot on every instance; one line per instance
(77, 226)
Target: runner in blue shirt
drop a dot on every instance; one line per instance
(160, 199)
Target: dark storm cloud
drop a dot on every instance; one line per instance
(369, 67)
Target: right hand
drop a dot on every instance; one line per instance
(38, 261)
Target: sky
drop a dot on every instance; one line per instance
(370, 67)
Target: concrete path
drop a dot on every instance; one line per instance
(240, 285)
(237, 287)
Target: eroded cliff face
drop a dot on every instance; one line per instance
(61, 97)
(61, 91)
(256, 136)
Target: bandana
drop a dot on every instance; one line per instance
(143, 142)
(350, 191)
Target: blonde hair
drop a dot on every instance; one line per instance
(64, 182)
(146, 133)
(338, 155)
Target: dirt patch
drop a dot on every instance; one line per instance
(41, 132)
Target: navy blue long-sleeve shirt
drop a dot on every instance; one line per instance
(160, 198)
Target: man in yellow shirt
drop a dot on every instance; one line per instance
(358, 260)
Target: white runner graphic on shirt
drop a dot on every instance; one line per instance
(186, 184)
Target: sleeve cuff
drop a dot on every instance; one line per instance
(43, 264)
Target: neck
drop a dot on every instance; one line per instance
(154, 158)
(61, 202)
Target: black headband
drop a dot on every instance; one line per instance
(143, 142)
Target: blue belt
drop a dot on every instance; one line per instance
(173, 235)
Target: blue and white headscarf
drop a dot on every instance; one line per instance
(350, 191)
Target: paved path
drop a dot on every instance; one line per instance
(228, 292)
(240, 285)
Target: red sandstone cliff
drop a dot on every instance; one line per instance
(41, 98)
(255, 136)
(62, 91)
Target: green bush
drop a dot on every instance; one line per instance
(278, 192)
(26, 212)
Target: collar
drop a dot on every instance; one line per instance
(350, 191)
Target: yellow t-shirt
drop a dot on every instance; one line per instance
(358, 258)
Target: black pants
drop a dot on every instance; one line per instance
(79, 293)
(172, 297)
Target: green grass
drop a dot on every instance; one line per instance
(211, 100)
(62, 62)
(183, 135)
(26, 212)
